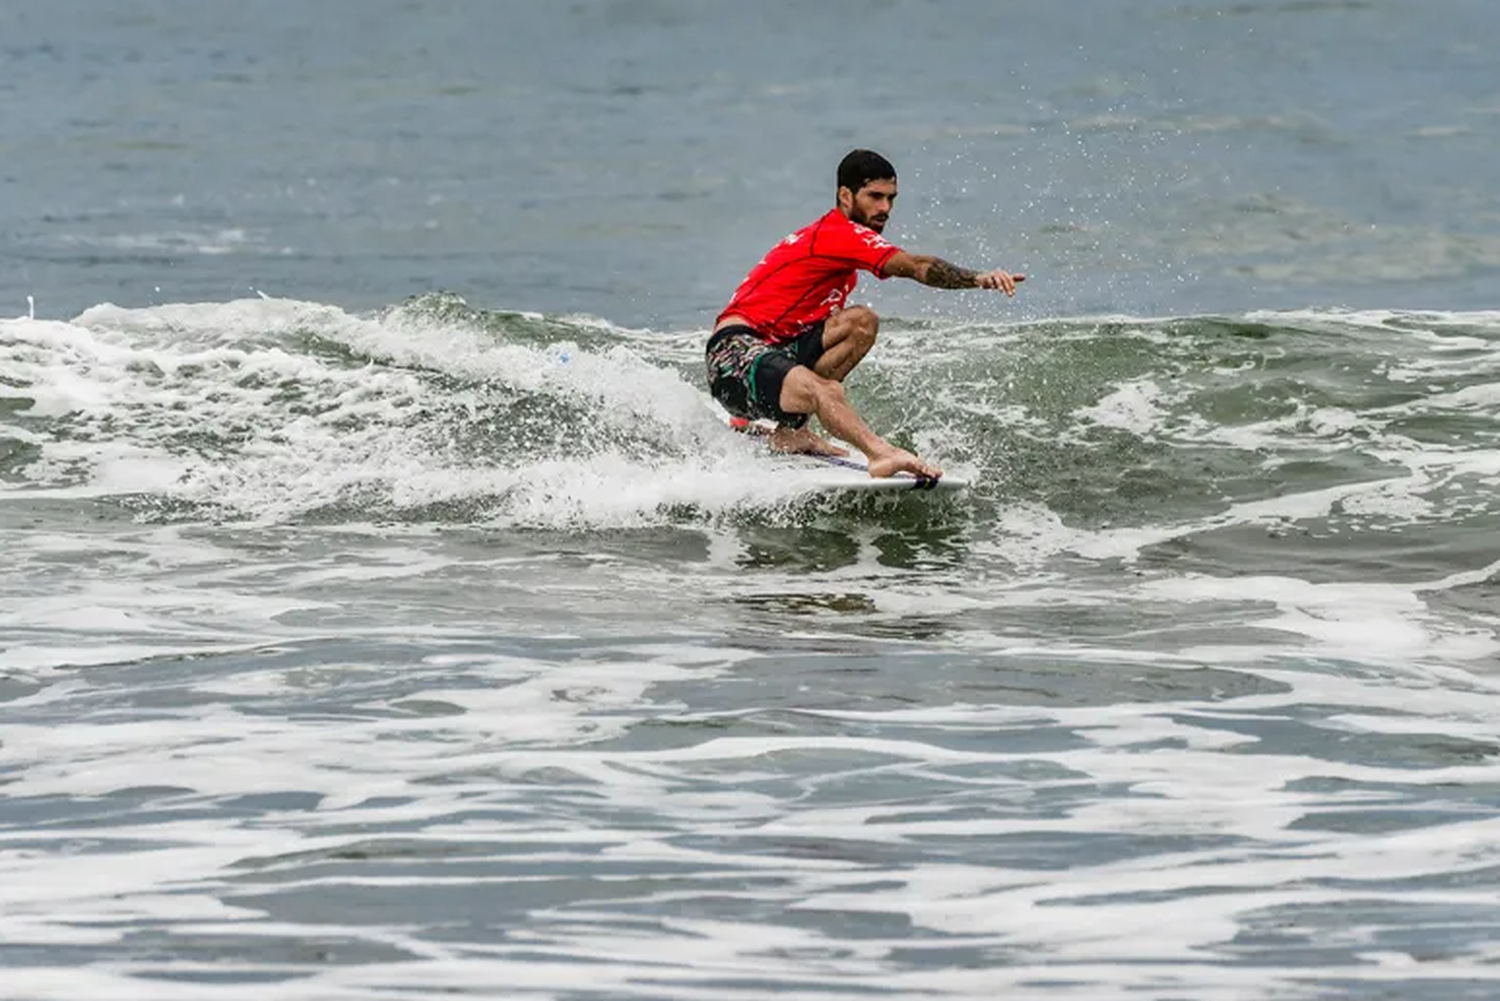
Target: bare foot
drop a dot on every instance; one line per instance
(803, 441)
(899, 461)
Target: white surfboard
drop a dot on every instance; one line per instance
(839, 474)
(851, 473)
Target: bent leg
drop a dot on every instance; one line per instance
(848, 336)
(806, 392)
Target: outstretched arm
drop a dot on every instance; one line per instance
(938, 273)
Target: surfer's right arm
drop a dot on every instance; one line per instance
(938, 273)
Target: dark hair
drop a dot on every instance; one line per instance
(861, 167)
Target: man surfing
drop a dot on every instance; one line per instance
(786, 342)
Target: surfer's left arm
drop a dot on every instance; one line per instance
(938, 273)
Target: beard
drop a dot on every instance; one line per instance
(877, 223)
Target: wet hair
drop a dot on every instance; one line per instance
(861, 167)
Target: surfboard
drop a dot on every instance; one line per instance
(840, 474)
(851, 473)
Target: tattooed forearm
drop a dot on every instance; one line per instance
(941, 274)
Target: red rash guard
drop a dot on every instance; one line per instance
(807, 276)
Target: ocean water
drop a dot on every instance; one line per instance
(385, 612)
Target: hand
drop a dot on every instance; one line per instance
(998, 279)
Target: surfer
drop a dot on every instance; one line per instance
(786, 342)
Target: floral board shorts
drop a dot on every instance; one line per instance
(745, 371)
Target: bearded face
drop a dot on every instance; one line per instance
(870, 205)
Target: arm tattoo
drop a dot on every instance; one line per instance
(941, 274)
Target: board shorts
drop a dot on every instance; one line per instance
(745, 371)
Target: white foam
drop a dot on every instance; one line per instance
(304, 432)
(1133, 406)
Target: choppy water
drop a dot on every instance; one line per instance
(386, 614)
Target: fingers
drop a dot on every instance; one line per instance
(924, 470)
(1002, 280)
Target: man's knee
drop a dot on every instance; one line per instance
(864, 324)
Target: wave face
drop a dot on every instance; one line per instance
(273, 411)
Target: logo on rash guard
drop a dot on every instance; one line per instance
(835, 297)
